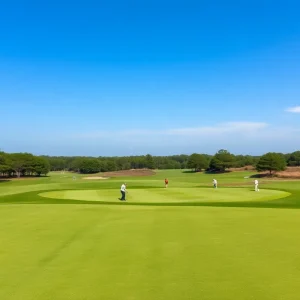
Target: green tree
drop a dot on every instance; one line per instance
(197, 162)
(294, 159)
(5, 164)
(149, 162)
(56, 163)
(271, 162)
(215, 165)
(222, 160)
(85, 165)
(244, 160)
(21, 163)
(76, 164)
(122, 163)
(89, 166)
(40, 166)
(111, 165)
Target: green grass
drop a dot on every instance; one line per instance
(174, 195)
(185, 242)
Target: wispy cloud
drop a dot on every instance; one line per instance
(229, 127)
(218, 129)
(237, 137)
(295, 109)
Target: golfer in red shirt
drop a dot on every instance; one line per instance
(166, 182)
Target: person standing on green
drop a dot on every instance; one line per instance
(123, 191)
(166, 182)
(215, 183)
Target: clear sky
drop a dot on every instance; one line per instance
(160, 77)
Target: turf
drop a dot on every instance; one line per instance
(226, 245)
(174, 195)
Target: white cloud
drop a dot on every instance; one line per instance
(218, 129)
(229, 127)
(237, 137)
(295, 109)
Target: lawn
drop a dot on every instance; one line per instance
(73, 239)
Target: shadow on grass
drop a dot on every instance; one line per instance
(262, 176)
(24, 177)
(190, 171)
(217, 172)
(257, 205)
(206, 171)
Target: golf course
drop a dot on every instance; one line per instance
(72, 238)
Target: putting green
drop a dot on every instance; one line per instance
(172, 195)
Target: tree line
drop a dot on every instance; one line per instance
(219, 162)
(26, 164)
(224, 160)
(23, 164)
(88, 165)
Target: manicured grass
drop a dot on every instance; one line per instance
(228, 243)
(174, 195)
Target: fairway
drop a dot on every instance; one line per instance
(149, 150)
(174, 195)
(74, 239)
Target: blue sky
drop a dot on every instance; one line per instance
(160, 77)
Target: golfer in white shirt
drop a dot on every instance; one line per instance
(215, 183)
(123, 191)
(256, 185)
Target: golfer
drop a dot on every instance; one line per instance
(123, 191)
(166, 182)
(256, 185)
(215, 183)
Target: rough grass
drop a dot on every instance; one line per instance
(71, 249)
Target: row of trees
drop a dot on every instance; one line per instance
(221, 161)
(104, 164)
(23, 164)
(293, 159)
